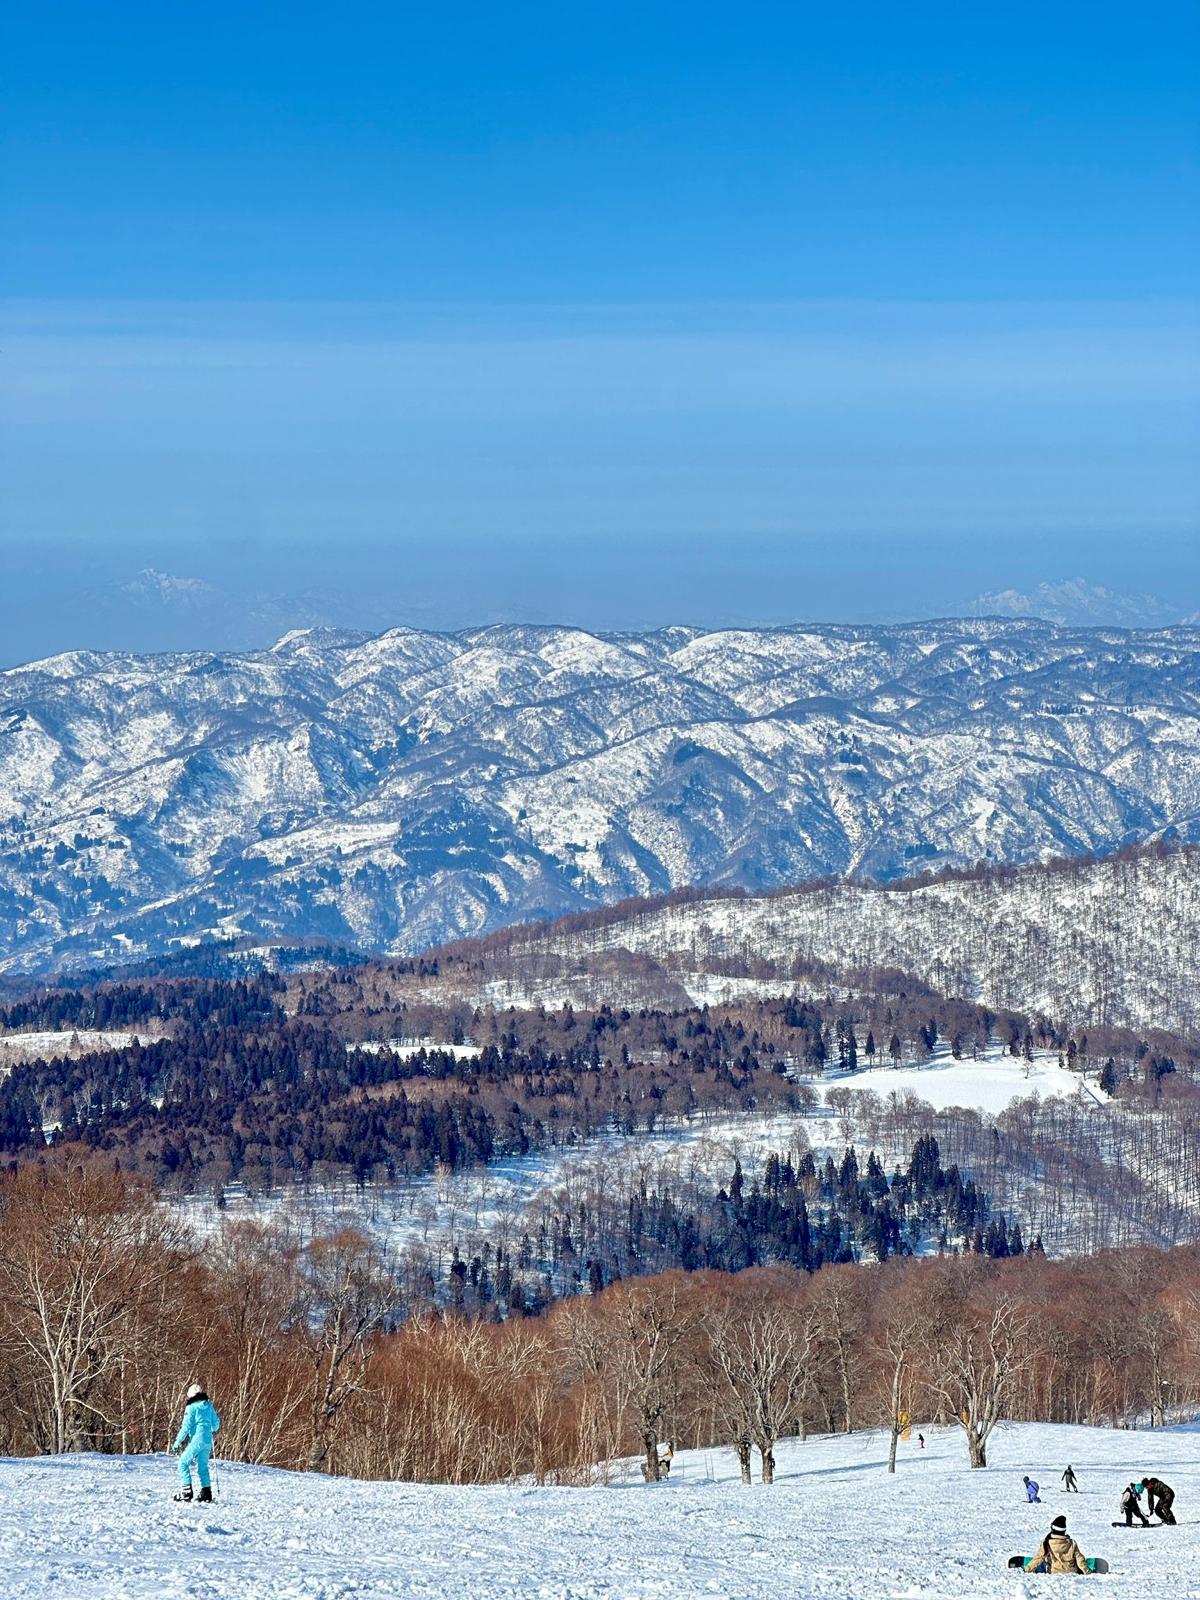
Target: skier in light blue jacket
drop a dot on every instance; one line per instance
(195, 1440)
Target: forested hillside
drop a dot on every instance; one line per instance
(1113, 942)
(111, 1309)
(750, 1132)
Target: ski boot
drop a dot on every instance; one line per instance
(206, 1497)
(184, 1494)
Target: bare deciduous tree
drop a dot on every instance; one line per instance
(762, 1345)
(896, 1337)
(978, 1344)
(643, 1334)
(84, 1259)
(348, 1290)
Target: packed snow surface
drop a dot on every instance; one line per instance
(833, 1526)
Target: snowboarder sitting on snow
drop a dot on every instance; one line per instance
(1031, 1490)
(1069, 1483)
(1131, 1506)
(1161, 1498)
(1057, 1552)
(195, 1440)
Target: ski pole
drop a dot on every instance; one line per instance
(216, 1476)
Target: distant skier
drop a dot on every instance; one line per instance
(1031, 1491)
(921, 1440)
(1131, 1506)
(1069, 1483)
(195, 1441)
(1160, 1499)
(1058, 1552)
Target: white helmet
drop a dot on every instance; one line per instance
(195, 1389)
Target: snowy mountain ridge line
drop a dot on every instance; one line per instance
(395, 791)
(1110, 942)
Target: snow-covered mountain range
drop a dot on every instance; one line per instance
(397, 790)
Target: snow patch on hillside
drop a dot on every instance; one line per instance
(988, 1084)
(407, 1048)
(64, 1041)
(443, 1211)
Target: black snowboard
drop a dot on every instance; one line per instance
(1095, 1563)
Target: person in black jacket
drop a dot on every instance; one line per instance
(1161, 1499)
(1069, 1483)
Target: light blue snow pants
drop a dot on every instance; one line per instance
(197, 1453)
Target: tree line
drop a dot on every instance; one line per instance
(236, 1089)
(240, 1002)
(633, 1221)
(112, 1305)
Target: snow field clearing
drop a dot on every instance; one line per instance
(833, 1526)
(467, 1206)
(407, 1048)
(987, 1084)
(16, 1048)
(28, 1046)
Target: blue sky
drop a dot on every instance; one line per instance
(614, 315)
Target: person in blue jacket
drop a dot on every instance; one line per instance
(195, 1441)
(1031, 1491)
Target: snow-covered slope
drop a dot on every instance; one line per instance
(833, 1526)
(400, 790)
(1112, 942)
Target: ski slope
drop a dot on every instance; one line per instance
(833, 1526)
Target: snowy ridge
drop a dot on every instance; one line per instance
(834, 1525)
(1113, 942)
(396, 791)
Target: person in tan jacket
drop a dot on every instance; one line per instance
(1058, 1552)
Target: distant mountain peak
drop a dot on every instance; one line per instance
(164, 588)
(1074, 602)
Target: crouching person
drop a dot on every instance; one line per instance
(195, 1441)
(1131, 1505)
(1057, 1552)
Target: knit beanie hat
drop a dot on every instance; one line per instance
(194, 1390)
(1059, 1525)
